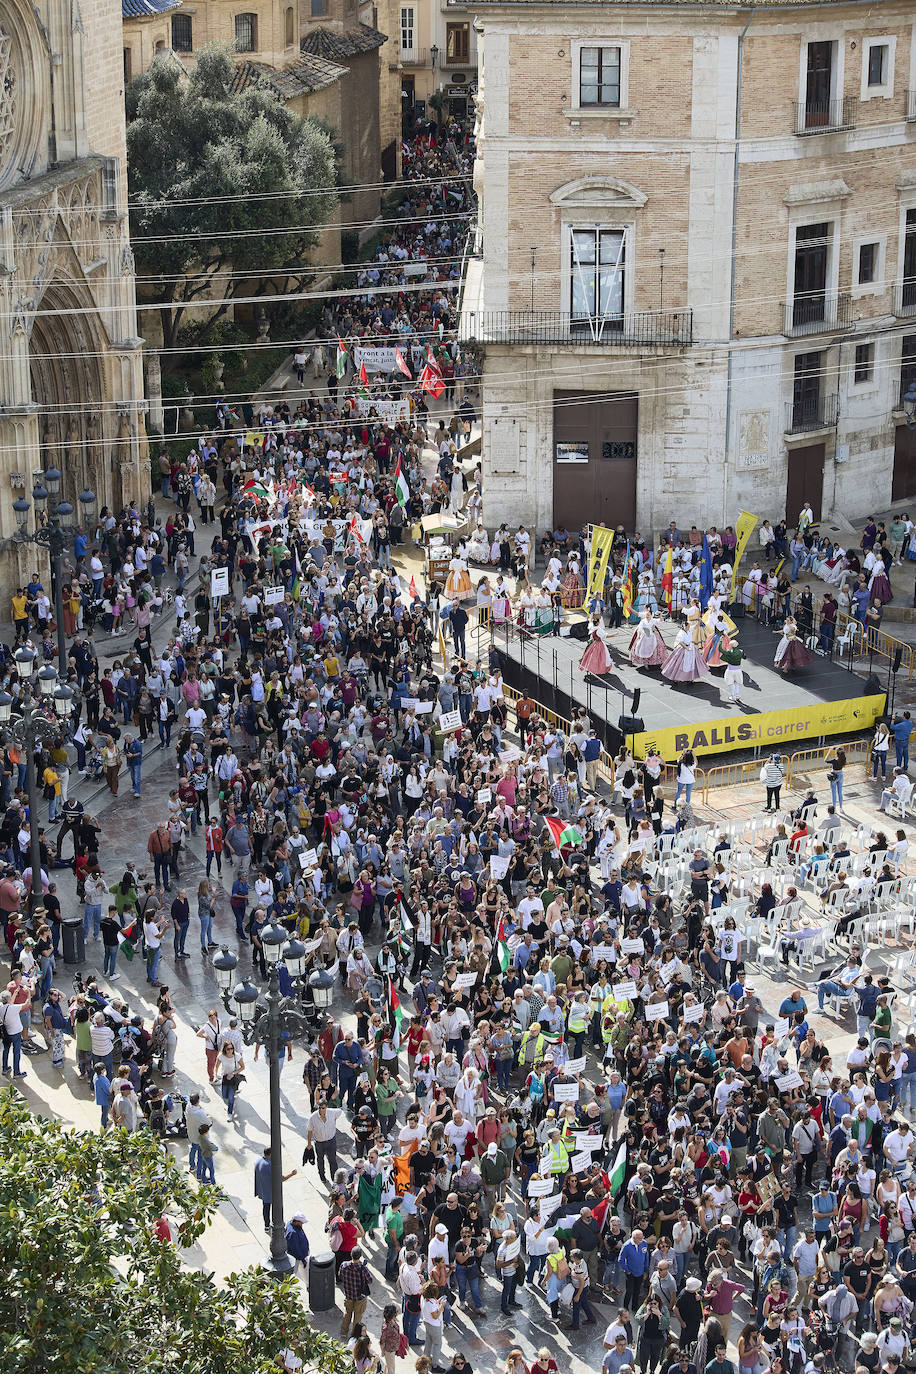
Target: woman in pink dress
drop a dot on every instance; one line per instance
(685, 662)
(596, 658)
(647, 648)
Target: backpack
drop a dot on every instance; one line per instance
(335, 1239)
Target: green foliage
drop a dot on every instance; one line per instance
(194, 140)
(88, 1289)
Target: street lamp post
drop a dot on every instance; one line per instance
(54, 532)
(266, 1022)
(42, 710)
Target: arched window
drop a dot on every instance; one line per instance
(290, 26)
(182, 33)
(246, 32)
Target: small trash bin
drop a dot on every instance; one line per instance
(74, 941)
(321, 1282)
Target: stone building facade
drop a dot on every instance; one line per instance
(71, 383)
(438, 50)
(697, 284)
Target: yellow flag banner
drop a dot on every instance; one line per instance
(766, 730)
(599, 553)
(744, 528)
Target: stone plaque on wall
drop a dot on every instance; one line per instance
(503, 438)
(754, 439)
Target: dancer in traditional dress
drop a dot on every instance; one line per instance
(573, 584)
(479, 546)
(596, 658)
(695, 626)
(791, 653)
(647, 648)
(733, 677)
(721, 635)
(685, 662)
(646, 600)
(458, 583)
(879, 587)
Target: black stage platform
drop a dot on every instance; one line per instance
(696, 714)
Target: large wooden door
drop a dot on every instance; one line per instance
(805, 481)
(594, 460)
(904, 483)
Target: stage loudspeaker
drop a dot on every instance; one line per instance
(634, 704)
(897, 657)
(631, 725)
(872, 686)
(579, 630)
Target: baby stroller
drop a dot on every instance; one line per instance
(95, 772)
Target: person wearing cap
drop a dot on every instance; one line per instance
(495, 1170)
(824, 1208)
(892, 1341)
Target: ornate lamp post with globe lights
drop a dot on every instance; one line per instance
(267, 1021)
(37, 715)
(53, 532)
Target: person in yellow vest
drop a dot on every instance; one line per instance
(554, 1155)
(577, 1023)
(556, 1271)
(531, 1048)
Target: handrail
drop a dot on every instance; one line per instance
(856, 751)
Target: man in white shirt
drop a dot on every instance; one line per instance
(898, 1146)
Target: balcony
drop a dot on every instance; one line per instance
(817, 312)
(414, 57)
(650, 328)
(827, 117)
(905, 297)
(809, 414)
(911, 107)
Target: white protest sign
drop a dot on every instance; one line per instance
(781, 1027)
(548, 1205)
(499, 866)
(273, 594)
(464, 980)
(423, 708)
(655, 1011)
(513, 1249)
(694, 1013)
(389, 412)
(787, 1081)
(575, 1066)
(632, 947)
(603, 952)
(585, 1141)
(410, 703)
(484, 796)
(310, 858)
(540, 1187)
(374, 359)
(666, 974)
(450, 720)
(219, 582)
(625, 992)
(565, 1092)
(580, 1162)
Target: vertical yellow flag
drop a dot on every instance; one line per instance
(744, 528)
(599, 553)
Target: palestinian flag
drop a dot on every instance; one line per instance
(562, 833)
(402, 940)
(618, 1170)
(401, 489)
(363, 382)
(342, 356)
(502, 947)
(355, 530)
(257, 491)
(126, 943)
(401, 365)
(396, 1017)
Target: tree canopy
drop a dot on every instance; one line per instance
(209, 169)
(89, 1287)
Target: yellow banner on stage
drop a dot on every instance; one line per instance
(770, 730)
(598, 555)
(744, 528)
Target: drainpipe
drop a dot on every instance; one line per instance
(731, 292)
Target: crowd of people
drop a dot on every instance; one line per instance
(550, 1073)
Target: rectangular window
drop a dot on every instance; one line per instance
(809, 302)
(878, 65)
(318, 9)
(806, 391)
(246, 33)
(182, 34)
(597, 276)
(457, 42)
(819, 84)
(599, 76)
(907, 364)
(909, 261)
(868, 263)
(864, 367)
(407, 28)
